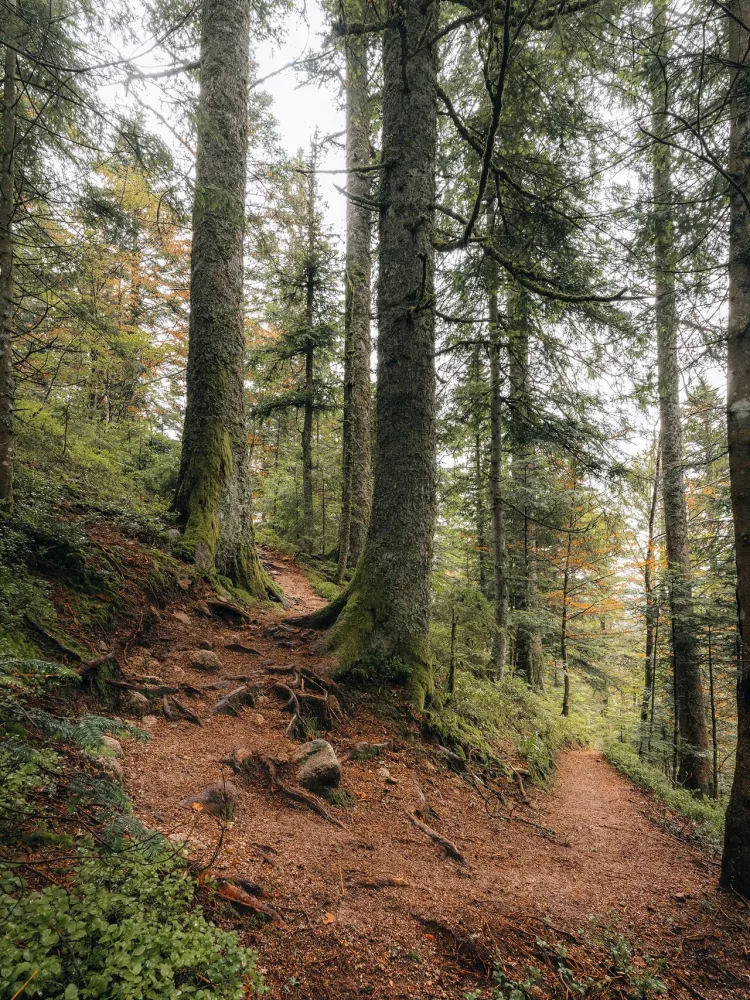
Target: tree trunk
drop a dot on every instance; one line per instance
(452, 661)
(714, 734)
(356, 499)
(564, 628)
(479, 512)
(499, 545)
(529, 655)
(308, 514)
(694, 769)
(384, 614)
(213, 492)
(735, 869)
(7, 213)
(648, 589)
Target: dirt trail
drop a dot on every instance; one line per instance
(376, 908)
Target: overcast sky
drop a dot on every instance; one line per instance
(299, 109)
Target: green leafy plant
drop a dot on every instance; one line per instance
(125, 927)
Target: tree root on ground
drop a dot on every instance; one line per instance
(232, 893)
(468, 948)
(187, 712)
(447, 845)
(295, 794)
(243, 764)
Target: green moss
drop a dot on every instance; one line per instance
(198, 499)
(483, 718)
(340, 797)
(707, 813)
(367, 653)
(199, 494)
(252, 578)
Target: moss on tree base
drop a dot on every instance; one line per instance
(368, 646)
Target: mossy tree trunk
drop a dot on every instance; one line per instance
(529, 653)
(381, 622)
(499, 542)
(648, 593)
(735, 868)
(356, 499)
(213, 493)
(478, 391)
(7, 213)
(694, 769)
(308, 515)
(564, 625)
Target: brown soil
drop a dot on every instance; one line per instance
(376, 908)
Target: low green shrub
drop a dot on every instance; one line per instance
(125, 927)
(110, 909)
(483, 717)
(707, 813)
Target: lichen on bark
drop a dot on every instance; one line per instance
(213, 494)
(381, 621)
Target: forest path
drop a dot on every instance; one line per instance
(375, 908)
(607, 853)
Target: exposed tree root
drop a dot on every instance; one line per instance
(448, 846)
(296, 795)
(243, 764)
(152, 690)
(187, 712)
(519, 778)
(239, 897)
(467, 947)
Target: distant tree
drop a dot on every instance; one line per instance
(297, 343)
(356, 497)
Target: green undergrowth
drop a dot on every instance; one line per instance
(322, 586)
(484, 720)
(92, 904)
(707, 814)
(57, 581)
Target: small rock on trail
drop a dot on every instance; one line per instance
(204, 659)
(135, 703)
(318, 765)
(217, 799)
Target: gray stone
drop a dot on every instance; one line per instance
(387, 777)
(204, 659)
(218, 800)
(112, 767)
(135, 703)
(111, 744)
(318, 766)
(205, 644)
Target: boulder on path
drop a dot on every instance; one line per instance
(204, 659)
(135, 703)
(112, 767)
(113, 745)
(231, 703)
(318, 765)
(218, 800)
